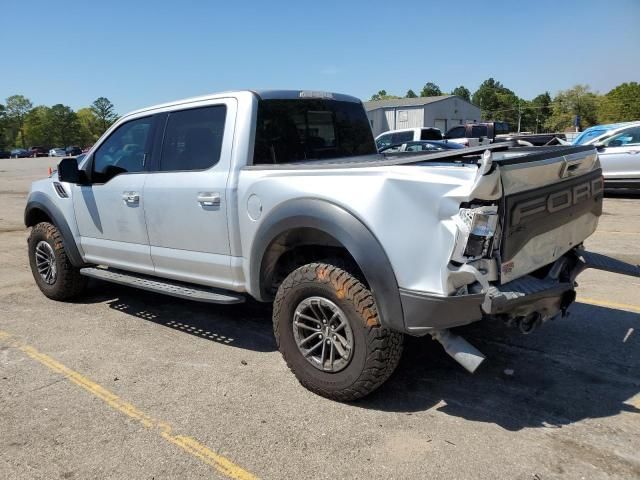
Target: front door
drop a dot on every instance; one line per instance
(186, 196)
(620, 156)
(110, 211)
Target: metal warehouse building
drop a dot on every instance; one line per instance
(443, 112)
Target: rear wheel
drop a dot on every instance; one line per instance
(54, 274)
(327, 328)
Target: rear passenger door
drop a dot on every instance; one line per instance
(186, 203)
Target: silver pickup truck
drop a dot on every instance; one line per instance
(281, 196)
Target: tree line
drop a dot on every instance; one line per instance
(23, 125)
(543, 112)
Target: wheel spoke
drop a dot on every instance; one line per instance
(304, 326)
(341, 350)
(310, 337)
(312, 349)
(307, 317)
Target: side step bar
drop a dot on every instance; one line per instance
(168, 287)
(603, 262)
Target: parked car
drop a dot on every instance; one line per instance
(422, 146)
(619, 152)
(73, 151)
(57, 152)
(398, 137)
(281, 196)
(38, 152)
(592, 134)
(5, 153)
(20, 153)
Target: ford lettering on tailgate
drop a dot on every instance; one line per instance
(530, 213)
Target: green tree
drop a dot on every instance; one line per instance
(537, 113)
(17, 108)
(37, 125)
(621, 104)
(496, 102)
(104, 112)
(410, 94)
(3, 126)
(89, 130)
(430, 89)
(382, 95)
(580, 101)
(462, 92)
(64, 125)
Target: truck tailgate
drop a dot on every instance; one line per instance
(552, 201)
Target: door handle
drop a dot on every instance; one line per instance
(131, 198)
(209, 199)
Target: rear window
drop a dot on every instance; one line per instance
(310, 129)
(478, 131)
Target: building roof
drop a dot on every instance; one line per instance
(406, 102)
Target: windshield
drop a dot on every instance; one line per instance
(588, 134)
(311, 129)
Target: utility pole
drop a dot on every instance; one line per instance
(519, 114)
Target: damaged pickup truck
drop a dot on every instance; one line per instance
(282, 197)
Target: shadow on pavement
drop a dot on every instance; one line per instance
(569, 370)
(246, 325)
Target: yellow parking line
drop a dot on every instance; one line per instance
(605, 303)
(188, 444)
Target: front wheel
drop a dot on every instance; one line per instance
(54, 274)
(327, 328)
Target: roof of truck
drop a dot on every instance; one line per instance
(262, 94)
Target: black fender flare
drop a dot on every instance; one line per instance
(350, 232)
(38, 201)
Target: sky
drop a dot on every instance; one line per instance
(139, 53)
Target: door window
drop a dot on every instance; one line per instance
(193, 139)
(629, 137)
(124, 151)
(383, 141)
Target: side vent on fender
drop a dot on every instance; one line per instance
(62, 193)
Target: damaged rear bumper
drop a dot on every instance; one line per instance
(528, 299)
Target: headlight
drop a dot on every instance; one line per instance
(476, 228)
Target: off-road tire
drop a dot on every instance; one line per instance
(376, 350)
(68, 283)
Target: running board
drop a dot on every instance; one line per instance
(168, 287)
(608, 264)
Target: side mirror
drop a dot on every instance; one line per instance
(68, 171)
(599, 146)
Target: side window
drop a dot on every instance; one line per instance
(629, 137)
(457, 132)
(124, 151)
(193, 139)
(430, 134)
(383, 141)
(401, 137)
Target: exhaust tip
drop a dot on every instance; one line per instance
(460, 350)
